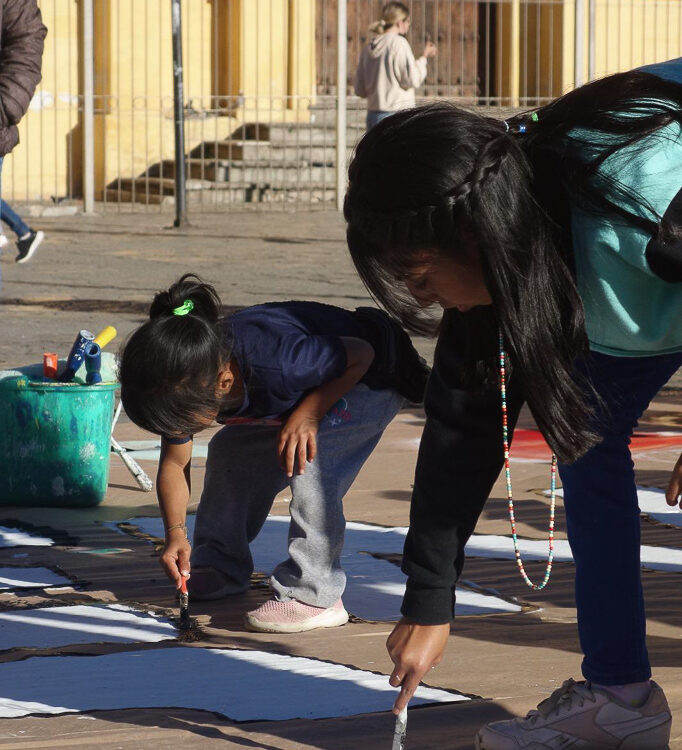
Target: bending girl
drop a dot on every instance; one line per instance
(563, 231)
(309, 389)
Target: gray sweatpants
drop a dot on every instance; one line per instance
(243, 476)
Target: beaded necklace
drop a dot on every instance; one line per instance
(507, 473)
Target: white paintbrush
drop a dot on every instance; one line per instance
(143, 481)
(400, 732)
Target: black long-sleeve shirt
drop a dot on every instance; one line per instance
(460, 457)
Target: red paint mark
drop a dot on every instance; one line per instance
(531, 444)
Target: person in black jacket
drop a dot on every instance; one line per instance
(22, 40)
(553, 242)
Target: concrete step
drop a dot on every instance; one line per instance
(301, 195)
(260, 173)
(163, 186)
(231, 196)
(328, 103)
(231, 150)
(203, 196)
(297, 134)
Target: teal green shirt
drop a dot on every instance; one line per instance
(629, 310)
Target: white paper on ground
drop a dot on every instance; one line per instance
(652, 504)
(30, 578)
(374, 588)
(502, 547)
(241, 685)
(15, 538)
(51, 627)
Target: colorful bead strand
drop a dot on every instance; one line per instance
(507, 473)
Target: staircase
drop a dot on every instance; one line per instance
(260, 162)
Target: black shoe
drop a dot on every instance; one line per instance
(28, 245)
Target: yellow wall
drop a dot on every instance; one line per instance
(646, 31)
(629, 33)
(237, 57)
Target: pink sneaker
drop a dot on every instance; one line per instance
(293, 616)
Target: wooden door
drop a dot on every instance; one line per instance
(458, 28)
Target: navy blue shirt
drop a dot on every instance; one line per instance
(286, 349)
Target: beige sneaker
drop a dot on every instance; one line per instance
(578, 716)
(294, 617)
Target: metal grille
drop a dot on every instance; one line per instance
(262, 118)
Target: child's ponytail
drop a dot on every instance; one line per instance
(169, 366)
(204, 300)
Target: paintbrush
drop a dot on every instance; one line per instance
(183, 596)
(400, 732)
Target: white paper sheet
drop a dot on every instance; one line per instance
(15, 538)
(374, 588)
(30, 578)
(241, 685)
(51, 627)
(651, 503)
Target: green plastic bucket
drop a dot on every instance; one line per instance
(54, 441)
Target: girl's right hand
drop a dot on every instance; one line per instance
(175, 556)
(414, 649)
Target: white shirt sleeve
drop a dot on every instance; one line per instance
(410, 73)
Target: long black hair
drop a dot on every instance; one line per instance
(169, 366)
(439, 178)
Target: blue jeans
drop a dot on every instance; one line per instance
(13, 220)
(243, 476)
(375, 116)
(603, 522)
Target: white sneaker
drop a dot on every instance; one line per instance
(3, 240)
(578, 716)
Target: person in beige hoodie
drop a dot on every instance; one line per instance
(388, 73)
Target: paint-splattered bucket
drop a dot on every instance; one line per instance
(54, 441)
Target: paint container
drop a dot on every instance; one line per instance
(50, 366)
(54, 441)
(93, 363)
(76, 355)
(105, 336)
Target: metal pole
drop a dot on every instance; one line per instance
(179, 115)
(592, 62)
(579, 42)
(341, 103)
(515, 54)
(88, 109)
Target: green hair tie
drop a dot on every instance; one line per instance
(186, 307)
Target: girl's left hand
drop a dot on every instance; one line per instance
(297, 441)
(673, 494)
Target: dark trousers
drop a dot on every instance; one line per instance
(603, 522)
